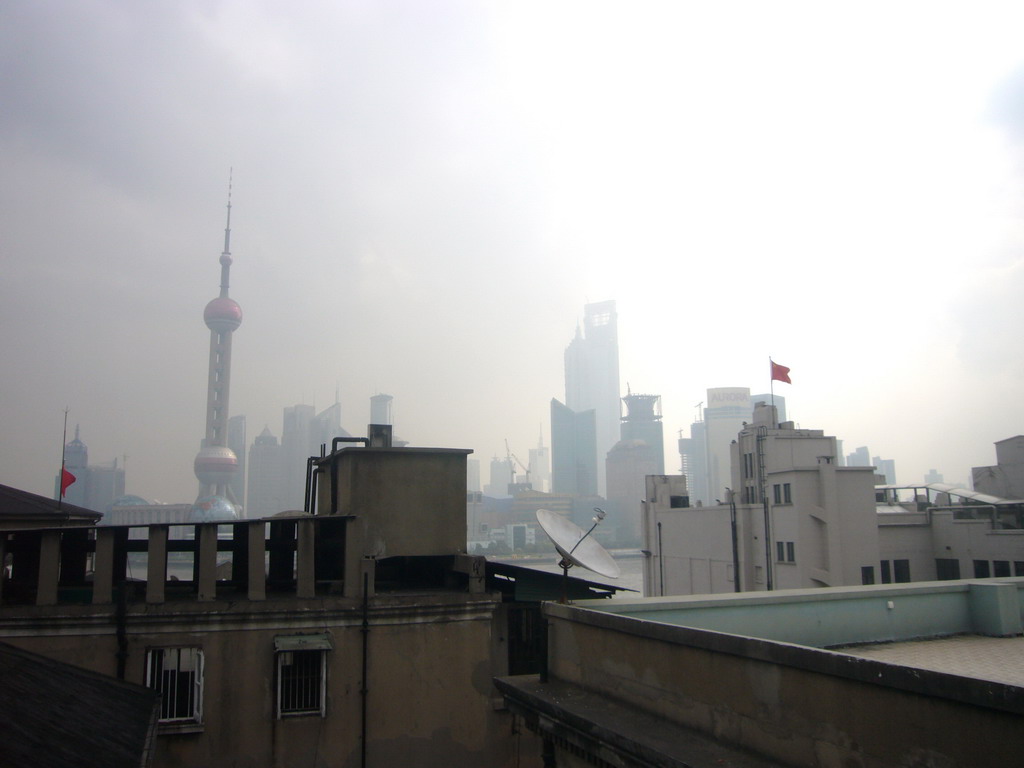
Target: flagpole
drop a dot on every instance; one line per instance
(771, 381)
(63, 449)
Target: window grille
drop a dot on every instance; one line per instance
(301, 678)
(177, 674)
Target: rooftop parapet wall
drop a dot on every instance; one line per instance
(242, 560)
(845, 615)
(796, 705)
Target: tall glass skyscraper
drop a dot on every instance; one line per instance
(592, 378)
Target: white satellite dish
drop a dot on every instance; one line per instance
(575, 546)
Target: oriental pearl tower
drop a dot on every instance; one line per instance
(216, 464)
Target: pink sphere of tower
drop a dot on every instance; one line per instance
(223, 314)
(215, 465)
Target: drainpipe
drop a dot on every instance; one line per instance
(365, 690)
(121, 617)
(735, 541)
(762, 434)
(661, 565)
(309, 482)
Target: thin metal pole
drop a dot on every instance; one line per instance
(63, 451)
(735, 542)
(661, 565)
(365, 688)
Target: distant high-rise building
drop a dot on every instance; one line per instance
(382, 412)
(592, 378)
(216, 465)
(473, 475)
(266, 492)
(639, 453)
(502, 476)
(728, 408)
(540, 467)
(693, 457)
(96, 486)
(705, 453)
(933, 476)
(573, 450)
(304, 432)
(325, 426)
(643, 422)
(629, 462)
(296, 447)
(887, 468)
(859, 458)
(237, 443)
(380, 409)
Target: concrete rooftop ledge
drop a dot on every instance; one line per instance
(663, 620)
(825, 618)
(595, 723)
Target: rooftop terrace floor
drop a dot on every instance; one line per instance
(999, 659)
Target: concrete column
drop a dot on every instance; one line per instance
(354, 536)
(207, 587)
(257, 561)
(49, 568)
(475, 567)
(305, 536)
(103, 567)
(156, 575)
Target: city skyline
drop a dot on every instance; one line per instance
(425, 198)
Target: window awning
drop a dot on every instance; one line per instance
(320, 641)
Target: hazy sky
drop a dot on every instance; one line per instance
(426, 194)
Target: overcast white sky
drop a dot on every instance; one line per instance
(426, 194)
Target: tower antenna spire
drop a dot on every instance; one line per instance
(225, 257)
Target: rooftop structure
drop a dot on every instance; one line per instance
(794, 518)
(838, 676)
(1006, 477)
(21, 509)
(359, 629)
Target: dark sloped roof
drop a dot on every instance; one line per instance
(22, 504)
(60, 716)
(531, 585)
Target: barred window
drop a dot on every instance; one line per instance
(301, 662)
(177, 674)
(300, 682)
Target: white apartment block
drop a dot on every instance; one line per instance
(793, 518)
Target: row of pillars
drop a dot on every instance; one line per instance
(50, 561)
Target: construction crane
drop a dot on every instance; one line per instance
(512, 461)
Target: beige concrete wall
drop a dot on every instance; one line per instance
(430, 669)
(795, 715)
(406, 501)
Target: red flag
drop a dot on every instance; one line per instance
(779, 372)
(66, 479)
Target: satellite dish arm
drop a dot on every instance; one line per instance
(597, 521)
